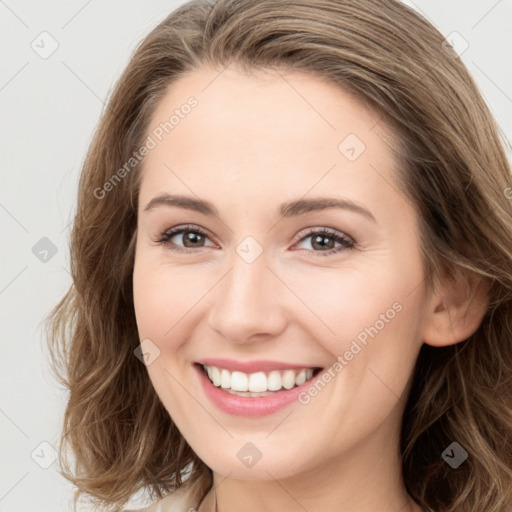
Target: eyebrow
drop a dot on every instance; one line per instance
(289, 209)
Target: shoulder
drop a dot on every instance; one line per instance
(179, 501)
(185, 499)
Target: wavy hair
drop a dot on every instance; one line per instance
(453, 169)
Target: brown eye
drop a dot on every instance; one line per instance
(324, 242)
(192, 237)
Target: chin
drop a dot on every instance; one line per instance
(261, 465)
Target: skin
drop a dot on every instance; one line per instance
(253, 142)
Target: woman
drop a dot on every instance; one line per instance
(292, 266)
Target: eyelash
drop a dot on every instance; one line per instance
(347, 242)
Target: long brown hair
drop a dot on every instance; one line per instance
(453, 168)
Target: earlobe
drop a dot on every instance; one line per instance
(455, 312)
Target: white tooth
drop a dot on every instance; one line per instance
(215, 375)
(300, 378)
(288, 379)
(239, 381)
(225, 379)
(274, 382)
(257, 382)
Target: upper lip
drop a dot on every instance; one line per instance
(252, 366)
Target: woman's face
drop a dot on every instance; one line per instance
(259, 292)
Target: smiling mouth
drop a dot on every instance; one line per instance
(258, 383)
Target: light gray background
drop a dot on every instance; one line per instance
(49, 109)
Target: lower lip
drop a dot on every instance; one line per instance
(249, 405)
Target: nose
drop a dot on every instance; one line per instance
(248, 303)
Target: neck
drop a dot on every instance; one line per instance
(365, 478)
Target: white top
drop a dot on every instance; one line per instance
(185, 499)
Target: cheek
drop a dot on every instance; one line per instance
(164, 302)
(163, 296)
(338, 305)
(369, 321)
(343, 302)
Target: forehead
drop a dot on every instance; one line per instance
(267, 127)
(276, 104)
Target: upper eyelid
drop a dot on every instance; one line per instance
(315, 229)
(178, 230)
(302, 232)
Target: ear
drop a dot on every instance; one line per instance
(455, 311)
